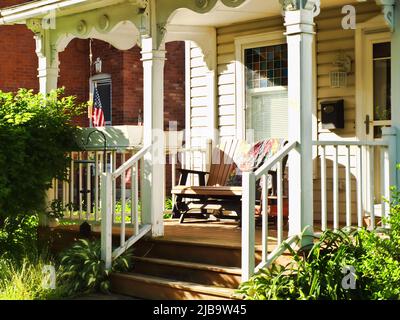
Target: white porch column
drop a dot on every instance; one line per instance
(154, 173)
(395, 60)
(48, 68)
(300, 34)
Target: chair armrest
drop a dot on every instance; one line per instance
(192, 171)
(186, 172)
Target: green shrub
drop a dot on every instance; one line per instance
(18, 237)
(82, 270)
(35, 134)
(316, 273)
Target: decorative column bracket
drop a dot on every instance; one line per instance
(46, 51)
(388, 11)
(292, 5)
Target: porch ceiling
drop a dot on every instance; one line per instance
(40, 8)
(222, 15)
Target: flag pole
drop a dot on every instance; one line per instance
(90, 102)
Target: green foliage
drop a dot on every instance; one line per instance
(18, 236)
(22, 280)
(316, 272)
(35, 134)
(169, 204)
(82, 270)
(56, 209)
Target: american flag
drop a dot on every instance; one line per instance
(97, 114)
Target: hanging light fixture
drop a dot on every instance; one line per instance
(338, 76)
(98, 64)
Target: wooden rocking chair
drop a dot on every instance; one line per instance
(215, 193)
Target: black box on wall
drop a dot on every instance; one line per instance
(332, 114)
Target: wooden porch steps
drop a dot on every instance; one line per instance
(195, 260)
(151, 287)
(170, 269)
(205, 274)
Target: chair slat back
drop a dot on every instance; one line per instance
(222, 163)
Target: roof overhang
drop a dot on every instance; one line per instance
(18, 14)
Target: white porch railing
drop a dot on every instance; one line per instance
(249, 180)
(358, 161)
(129, 221)
(79, 194)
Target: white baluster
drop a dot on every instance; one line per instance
(96, 186)
(348, 188)
(72, 186)
(106, 219)
(359, 187)
(324, 215)
(135, 203)
(372, 185)
(280, 202)
(335, 189)
(264, 217)
(248, 225)
(123, 198)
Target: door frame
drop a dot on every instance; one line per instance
(367, 66)
(372, 31)
(376, 28)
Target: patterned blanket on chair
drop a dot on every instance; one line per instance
(251, 157)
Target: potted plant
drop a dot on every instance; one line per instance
(55, 213)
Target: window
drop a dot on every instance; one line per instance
(382, 85)
(103, 83)
(266, 80)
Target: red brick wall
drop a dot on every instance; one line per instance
(126, 73)
(18, 69)
(18, 61)
(74, 73)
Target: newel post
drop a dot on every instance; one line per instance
(390, 136)
(106, 219)
(299, 23)
(248, 224)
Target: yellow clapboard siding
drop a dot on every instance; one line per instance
(227, 78)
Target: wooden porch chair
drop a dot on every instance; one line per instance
(214, 193)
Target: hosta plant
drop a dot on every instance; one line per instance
(82, 270)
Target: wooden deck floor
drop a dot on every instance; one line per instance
(226, 233)
(220, 233)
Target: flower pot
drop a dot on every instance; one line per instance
(53, 222)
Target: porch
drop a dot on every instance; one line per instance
(331, 172)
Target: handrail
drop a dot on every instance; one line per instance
(351, 143)
(275, 159)
(277, 252)
(130, 162)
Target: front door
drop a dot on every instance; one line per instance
(377, 64)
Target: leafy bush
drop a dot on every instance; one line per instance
(82, 270)
(316, 273)
(18, 237)
(35, 134)
(56, 209)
